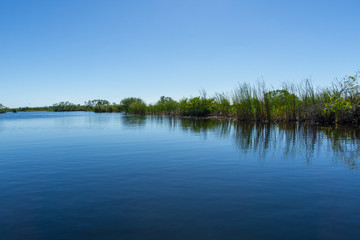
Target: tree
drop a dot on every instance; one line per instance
(166, 105)
(132, 104)
(96, 102)
(2, 108)
(65, 106)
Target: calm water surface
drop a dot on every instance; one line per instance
(111, 176)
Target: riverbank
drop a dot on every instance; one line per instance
(337, 104)
(234, 119)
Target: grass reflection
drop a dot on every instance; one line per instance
(291, 139)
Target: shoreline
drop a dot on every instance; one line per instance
(222, 118)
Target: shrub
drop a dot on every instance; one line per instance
(197, 106)
(133, 105)
(166, 105)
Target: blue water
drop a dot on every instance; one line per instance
(87, 176)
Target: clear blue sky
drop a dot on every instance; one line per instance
(78, 50)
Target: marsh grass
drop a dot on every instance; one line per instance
(221, 105)
(339, 103)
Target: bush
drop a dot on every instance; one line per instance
(66, 106)
(344, 104)
(137, 108)
(197, 106)
(133, 105)
(165, 105)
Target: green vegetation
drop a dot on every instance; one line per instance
(133, 105)
(2, 108)
(221, 105)
(339, 103)
(166, 105)
(65, 107)
(197, 106)
(343, 103)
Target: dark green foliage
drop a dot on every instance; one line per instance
(2, 108)
(166, 105)
(137, 108)
(117, 108)
(104, 108)
(108, 108)
(98, 106)
(34, 109)
(133, 105)
(197, 106)
(96, 102)
(282, 105)
(66, 106)
(126, 102)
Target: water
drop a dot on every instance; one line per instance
(111, 176)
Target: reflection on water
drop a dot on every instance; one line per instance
(133, 120)
(290, 139)
(80, 175)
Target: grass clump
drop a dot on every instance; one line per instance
(221, 105)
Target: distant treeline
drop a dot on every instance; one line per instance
(339, 103)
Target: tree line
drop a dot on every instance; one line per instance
(339, 103)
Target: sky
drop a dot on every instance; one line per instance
(77, 50)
